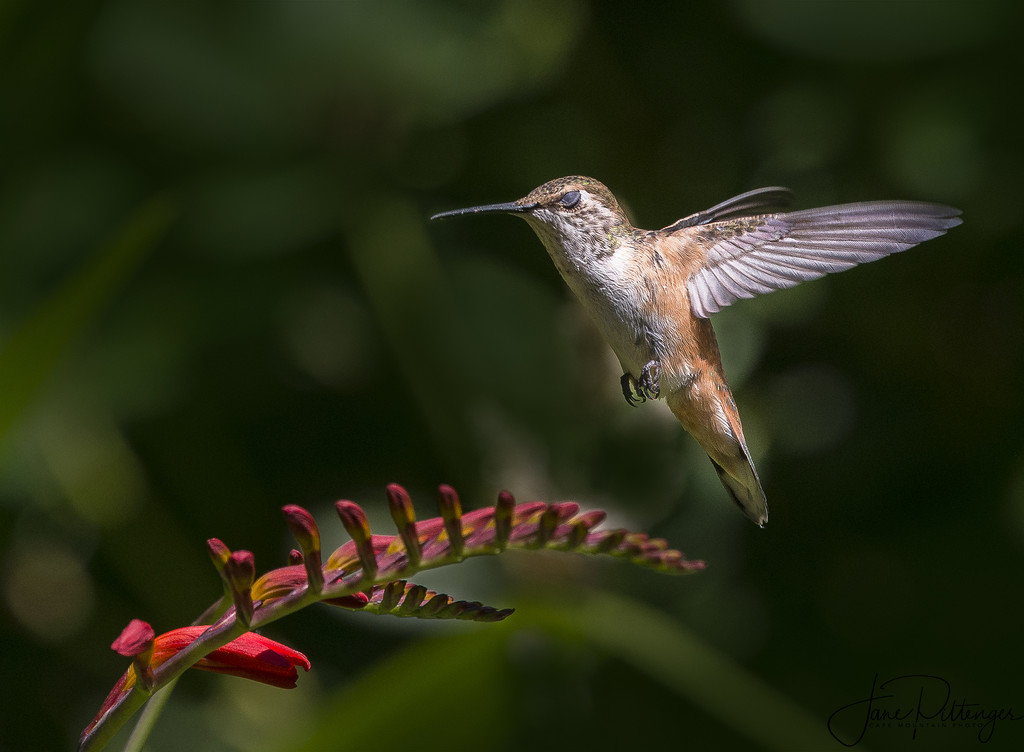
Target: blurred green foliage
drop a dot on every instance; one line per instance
(219, 294)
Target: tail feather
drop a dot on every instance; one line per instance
(746, 491)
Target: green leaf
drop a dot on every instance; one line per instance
(417, 699)
(664, 649)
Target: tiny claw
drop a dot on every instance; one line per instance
(648, 386)
(628, 384)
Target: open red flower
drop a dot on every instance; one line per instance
(250, 656)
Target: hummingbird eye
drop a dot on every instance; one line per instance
(570, 199)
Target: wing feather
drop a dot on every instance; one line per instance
(751, 202)
(748, 256)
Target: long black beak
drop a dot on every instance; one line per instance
(509, 208)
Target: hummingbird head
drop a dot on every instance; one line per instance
(577, 218)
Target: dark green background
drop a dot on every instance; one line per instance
(219, 294)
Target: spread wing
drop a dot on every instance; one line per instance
(749, 256)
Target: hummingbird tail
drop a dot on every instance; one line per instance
(709, 415)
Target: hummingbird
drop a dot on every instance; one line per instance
(651, 293)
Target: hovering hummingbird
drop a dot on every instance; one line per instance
(652, 292)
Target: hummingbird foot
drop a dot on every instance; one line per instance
(631, 391)
(648, 386)
(639, 390)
